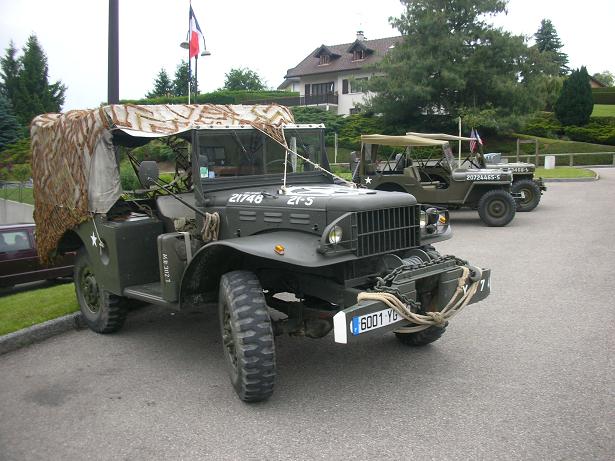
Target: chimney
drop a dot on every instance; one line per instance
(360, 36)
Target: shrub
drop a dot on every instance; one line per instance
(575, 103)
(216, 97)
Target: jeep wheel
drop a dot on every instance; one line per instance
(531, 194)
(421, 338)
(247, 337)
(103, 312)
(496, 208)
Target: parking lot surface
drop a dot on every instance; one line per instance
(526, 374)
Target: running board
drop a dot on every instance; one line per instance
(150, 293)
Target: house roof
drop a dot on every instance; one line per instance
(341, 56)
(597, 82)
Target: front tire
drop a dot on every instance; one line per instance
(496, 208)
(531, 194)
(103, 312)
(421, 338)
(247, 336)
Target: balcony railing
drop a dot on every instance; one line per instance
(310, 100)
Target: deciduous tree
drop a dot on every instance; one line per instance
(243, 79)
(605, 77)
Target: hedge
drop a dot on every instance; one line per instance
(216, 97)
(600, 130)
(604, 95)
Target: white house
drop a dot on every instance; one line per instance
(327, 76)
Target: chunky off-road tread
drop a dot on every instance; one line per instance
(254, 375)
(503, 200)
(113, 310)
(532, 192)
(422, 337)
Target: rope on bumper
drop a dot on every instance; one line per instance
(424, 321)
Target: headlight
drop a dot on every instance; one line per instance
(335, 235)
(423, 219)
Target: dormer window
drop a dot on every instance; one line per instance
(324, 59)
(358, 55)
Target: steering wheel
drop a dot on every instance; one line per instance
(279, 160)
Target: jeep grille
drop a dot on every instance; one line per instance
(387, 230)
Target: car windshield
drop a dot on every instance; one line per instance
(249, 152)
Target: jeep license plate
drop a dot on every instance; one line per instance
(367, 322)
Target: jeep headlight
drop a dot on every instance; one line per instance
(423, 220)
(335, 235)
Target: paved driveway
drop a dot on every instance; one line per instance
(528, 374)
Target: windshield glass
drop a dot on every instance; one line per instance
(248, 152)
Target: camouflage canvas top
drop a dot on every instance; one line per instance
(74, 167)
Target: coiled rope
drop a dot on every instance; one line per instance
(211, 227)
(424, 321)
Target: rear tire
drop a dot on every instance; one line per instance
(421, 338)
(247, 336)
(103, 312)
(531, 194)
(496, 208)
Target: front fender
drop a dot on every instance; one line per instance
(216, 258)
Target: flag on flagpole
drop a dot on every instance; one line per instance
(194, 34)
(475, 140)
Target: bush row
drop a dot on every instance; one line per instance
(600, 130)
(216, 97)
(604, 95)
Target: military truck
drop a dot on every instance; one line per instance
(252, 219)
(439, 182)
(527, 188)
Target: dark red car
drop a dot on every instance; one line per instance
(19, 262)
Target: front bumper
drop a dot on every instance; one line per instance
(368, 317)
(541, 184)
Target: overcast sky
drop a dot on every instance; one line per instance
(266, 36)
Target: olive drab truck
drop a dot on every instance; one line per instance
(253, 219)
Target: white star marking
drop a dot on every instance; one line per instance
(368, 180)
(93, 237)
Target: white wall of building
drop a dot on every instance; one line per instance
(345, 101)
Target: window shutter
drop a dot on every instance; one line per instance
(344, 86)
(307, 89)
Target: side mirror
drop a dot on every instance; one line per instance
(148, 173)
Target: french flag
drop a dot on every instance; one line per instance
(194, 33)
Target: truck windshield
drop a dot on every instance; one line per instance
(248, 152)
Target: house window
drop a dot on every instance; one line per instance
(354, 110)
(355, 85)
(324, 59)
(358, 55)
(322, 88)
(344, 86)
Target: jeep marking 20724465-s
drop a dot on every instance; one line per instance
(252, 218)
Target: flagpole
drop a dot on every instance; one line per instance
(459, 141)
(189, 62)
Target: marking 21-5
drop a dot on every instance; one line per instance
(299, 200)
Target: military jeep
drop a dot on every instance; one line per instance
(526, 188)
(254, 220)
(439, 182)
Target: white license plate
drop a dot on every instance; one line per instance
(363, 323)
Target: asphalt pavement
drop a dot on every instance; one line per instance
(526, 374)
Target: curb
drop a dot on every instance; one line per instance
(596, 178)
(40, 332)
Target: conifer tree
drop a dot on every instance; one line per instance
(547, 41)
(10, 131)
(163, 86)
(575, 103)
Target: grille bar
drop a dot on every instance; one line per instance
(387, 230)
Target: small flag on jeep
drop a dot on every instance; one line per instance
(475, 139)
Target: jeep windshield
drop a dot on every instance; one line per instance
(244, 155)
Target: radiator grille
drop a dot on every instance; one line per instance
(387, 230)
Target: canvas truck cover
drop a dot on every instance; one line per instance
(74, 166)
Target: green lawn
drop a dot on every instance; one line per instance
(25, 309)
(565, 172)
(14, 194)
(604, 110)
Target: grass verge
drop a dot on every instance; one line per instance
(564, 172)
(23, 196)
(25, 309)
